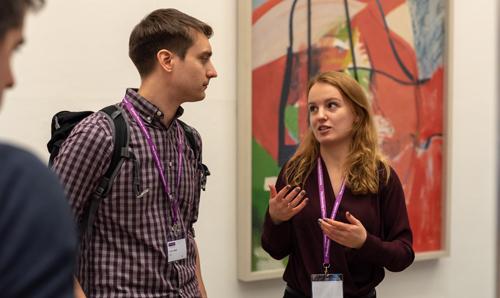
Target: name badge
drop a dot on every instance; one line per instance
(327, 286)
(177, 250)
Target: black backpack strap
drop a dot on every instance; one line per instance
(121, 133)
(121, 136)
(192, 144)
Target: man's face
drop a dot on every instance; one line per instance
(11, 41)
(194, 72)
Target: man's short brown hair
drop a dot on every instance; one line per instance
(167, 29)
(12, 13)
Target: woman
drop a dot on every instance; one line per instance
(339, 163)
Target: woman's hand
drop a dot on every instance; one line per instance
(281, 207)
(351, 235)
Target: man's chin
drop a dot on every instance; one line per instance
(197, 98)
(202, 97)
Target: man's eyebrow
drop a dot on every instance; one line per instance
(20, 43)
(206, 53)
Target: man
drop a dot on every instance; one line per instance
(143, 238)
(37, 241)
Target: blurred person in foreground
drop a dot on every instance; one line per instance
(37, 240)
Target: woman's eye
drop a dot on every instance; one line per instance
(312, 109)
(332, 105)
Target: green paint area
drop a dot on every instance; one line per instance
(292, 121)
(363, 79)
(343, 33)
(263, 166)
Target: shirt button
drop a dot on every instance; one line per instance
(158, 113)
(149, 118)
(180, 291)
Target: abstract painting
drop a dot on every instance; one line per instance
(396, 49)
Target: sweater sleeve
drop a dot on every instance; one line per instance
(38, 242)
(394, 251)
(276, 239)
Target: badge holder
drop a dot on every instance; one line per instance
(176, 244)
(327, 285)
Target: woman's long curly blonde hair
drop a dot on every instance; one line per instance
(361, 167)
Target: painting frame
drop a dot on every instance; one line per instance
(244, 147)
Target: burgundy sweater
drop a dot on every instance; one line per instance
(388, 243)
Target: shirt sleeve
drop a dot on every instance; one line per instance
(276, 240)
(83, 160)
(38, 242)
(395, 252)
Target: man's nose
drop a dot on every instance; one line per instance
(212, 73)
(10, 80)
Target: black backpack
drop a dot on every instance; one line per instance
(61, 127)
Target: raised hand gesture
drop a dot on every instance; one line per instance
(281, 207)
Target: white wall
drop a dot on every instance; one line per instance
(76, 58)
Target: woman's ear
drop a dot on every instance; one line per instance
(357, 118)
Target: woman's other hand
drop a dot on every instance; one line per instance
(351, 235)
(281, 207)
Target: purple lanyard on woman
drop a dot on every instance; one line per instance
(173, 204)
(321, 186)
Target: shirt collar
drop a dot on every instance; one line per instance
(147, 111)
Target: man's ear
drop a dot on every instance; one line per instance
(165, 59)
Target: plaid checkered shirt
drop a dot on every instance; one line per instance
(128, 254)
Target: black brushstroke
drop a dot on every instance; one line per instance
(286, 151)
(407, 83)
(309, 48)
(403, 67)
(348, 20)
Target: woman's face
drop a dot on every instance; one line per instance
(331, 117)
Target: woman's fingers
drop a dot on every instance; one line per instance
(273, 191)
(289, 199)
(294, 197)
(351, 235)
(298, 208)
(285, 204)
(333, 229)
(281, 194)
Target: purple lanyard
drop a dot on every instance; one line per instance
(326, 240)
(173, 204)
